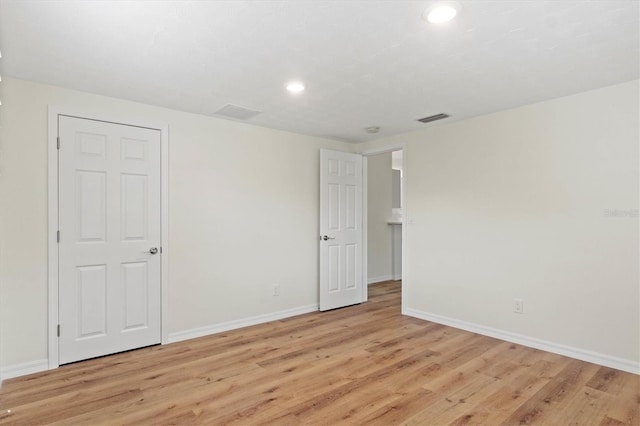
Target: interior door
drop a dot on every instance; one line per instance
(109, 252)
(341, 251)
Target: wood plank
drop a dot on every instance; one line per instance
(608, 380)
(626, 406)
(551, 399)
(365, 364)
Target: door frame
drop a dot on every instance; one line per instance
(405, 217)
(52, 182)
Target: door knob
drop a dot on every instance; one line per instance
(325, 238)
(152, 250)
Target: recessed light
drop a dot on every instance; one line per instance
(441, 12)
(295, 87)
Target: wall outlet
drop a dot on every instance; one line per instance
(518, 306)
(276, 290)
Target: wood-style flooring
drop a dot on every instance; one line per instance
(362, 365)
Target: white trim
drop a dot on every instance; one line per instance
(556, 348)
(384, 150)
(52, 250)
(407, 221)
(52, 276)
(240, 323)
(23, 369)
(164, 232)
(365, 228)
(374, 280)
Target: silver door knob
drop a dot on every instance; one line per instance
(152, 250)
(325, 238)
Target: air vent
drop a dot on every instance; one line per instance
(237, 112)
(433, 118)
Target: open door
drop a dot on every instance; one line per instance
(341, 249)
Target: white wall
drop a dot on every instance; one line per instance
(379, 243)
(243, 216)
(506, 205)
(514, 205)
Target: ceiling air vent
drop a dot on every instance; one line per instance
(237, 112)
(433, 118)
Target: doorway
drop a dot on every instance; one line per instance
(108, 240)
(385, 199)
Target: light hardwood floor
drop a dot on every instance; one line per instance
(365, 364)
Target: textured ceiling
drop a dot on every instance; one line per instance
(365, 63)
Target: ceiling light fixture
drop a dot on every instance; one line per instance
(441, 12)
(295, 87)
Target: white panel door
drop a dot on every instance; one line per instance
(341, 251)
(109, 249)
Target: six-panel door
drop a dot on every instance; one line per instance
(109, 219)
(341, 282)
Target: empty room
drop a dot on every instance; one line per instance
(356, 212)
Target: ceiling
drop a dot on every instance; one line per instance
(364, 63)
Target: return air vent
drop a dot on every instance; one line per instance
(237, 112)
(433, 118)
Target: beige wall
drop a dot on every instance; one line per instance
(505, 205)
(243, 215)
(514, 205)
(379, 244)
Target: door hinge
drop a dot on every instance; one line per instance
(58, 330)
(160, 250)
(58, 236)
(58, 142)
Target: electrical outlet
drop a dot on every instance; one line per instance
(518, 306)
(276, 290)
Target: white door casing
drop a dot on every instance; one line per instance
(341, 233)
(109, 214)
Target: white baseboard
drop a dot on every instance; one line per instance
(43, 364)
(397, 277)
(245, 322)
(374, 280)
(23, 369)
(572, 352)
